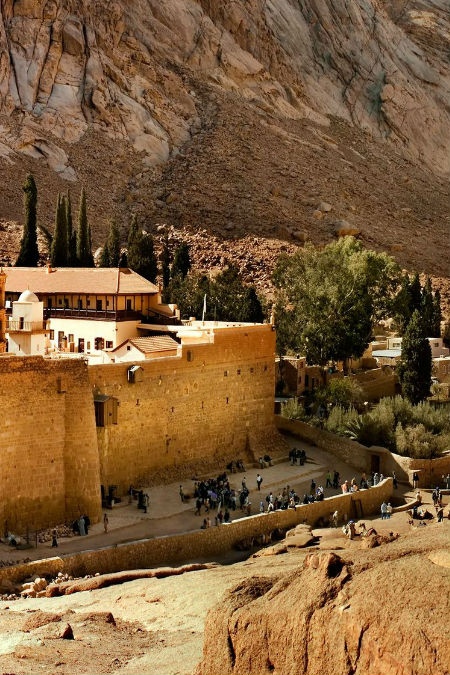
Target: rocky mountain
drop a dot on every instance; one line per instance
(240, 117)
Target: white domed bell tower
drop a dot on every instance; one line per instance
(26, 327)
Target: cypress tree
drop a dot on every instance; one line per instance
(402, 305)
(59, 249)
(415, 294)
(84, 246)
(437, 315)
(29, 253)
(105, 260)
(134, 244)
(427, 308)
(414, 369)
(165, 263)
(113, 243)
(143, 257)
(71, 234)
(181, 261)
(123, 262)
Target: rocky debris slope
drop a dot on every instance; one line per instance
(241, 117)
(355, 614)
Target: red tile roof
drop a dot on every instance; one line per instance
(78, 280)
(153, 343)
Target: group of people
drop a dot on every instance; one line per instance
(386, 510)
(81, 526)
(297, 455)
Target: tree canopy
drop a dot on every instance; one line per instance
(328, 300)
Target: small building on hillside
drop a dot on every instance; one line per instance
(391, 353)
(89, 310)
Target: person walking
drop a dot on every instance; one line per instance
(81, 526)
(440, 514)
(259, 480)
(383, 511)
(328, 483)
(54, 539)
(105, 522)
(415, 480)
(394, 479)
(388, 511)
(181, 493)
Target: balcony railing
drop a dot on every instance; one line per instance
(26, 326)
(86, 313)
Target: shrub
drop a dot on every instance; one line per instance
(418, 442)
(293, 410)
(340, 419)
(344, 392)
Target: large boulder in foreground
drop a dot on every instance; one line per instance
(383, 610)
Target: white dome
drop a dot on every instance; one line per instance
(28, 296)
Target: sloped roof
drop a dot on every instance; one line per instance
(83, 280)
(154, 343)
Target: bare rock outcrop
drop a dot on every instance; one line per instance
(367, 613)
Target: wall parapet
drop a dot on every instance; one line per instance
(189, 546)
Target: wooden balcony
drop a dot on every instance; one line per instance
(27, 327)
(92, 314)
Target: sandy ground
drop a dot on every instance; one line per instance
(159, 623)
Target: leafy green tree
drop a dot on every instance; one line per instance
(401, 310)
(60, 244)
(232, 300)
(84, 243)
(189, 293)
(414, 369)
(113, 245)
(329, 299)
(181, 261)
(29, 253)
(343, 391)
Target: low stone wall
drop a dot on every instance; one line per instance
(347, 451)
(200, 543)
(360, 457)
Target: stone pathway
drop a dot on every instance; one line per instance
(168, 515)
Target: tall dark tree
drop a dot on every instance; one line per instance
(402, 311)
(123, 262)
(181, 261)
(232, 300)
(415, 294)
(105, 260)
(134, 231)
(29, 253)
(141, 252)
(114, 245)
(427, 308)
(165, 270)
(437, 315)
(60, 244)
(414, 369)
(84, 246)
(71, 234)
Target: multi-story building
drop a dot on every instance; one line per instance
(89, 310)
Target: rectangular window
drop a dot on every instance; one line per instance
(238, 372)
(99, 343)
(99, 306)
(52, 335)
(306, 380)
(70, 337)
(109, 344)
(106, 412)
(189, 355)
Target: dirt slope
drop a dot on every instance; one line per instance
(238, 117)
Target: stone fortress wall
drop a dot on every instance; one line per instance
(49, 462)
(199, 544)
(216, 400)
(213, 402)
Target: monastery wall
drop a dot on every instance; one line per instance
(215, 401)
(199, 544)
(49, 464)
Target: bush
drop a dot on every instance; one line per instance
(344, 392)
(340, 419)
(419, 443)
(293, 410)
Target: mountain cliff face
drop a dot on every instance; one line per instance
(103, 93)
